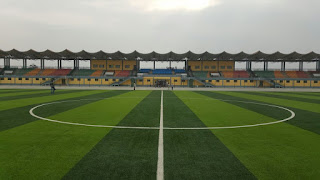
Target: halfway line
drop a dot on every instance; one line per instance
(160, 169)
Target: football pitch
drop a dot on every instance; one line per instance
(160, 134)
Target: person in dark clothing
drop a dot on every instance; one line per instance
(52, 87)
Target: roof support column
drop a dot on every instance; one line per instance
(318, 65)
(300, 66)
(41, 63)
(283, 66)
(170, 64)
(248, 64)
(59, 64)
(265, 67)
(24, 63)
(185, 65)
(7, 62)
(76, 64)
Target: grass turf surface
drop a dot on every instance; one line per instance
(36, 149)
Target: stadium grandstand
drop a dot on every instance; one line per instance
(123, 69)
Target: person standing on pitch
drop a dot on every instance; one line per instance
(52, 87)
(134, 86)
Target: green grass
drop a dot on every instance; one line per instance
(134, 156)
(37, 149)
(194, 154)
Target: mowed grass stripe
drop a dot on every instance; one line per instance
(300, 95)
(12, 91)
(313, 107)
(32, 94)
(16, 116)
(311, 123)
(46, 150)
(220, 111)
(284, 96)
(19, 116)
(195, 154)
(316, 94)
(125, 153)
(279, 151)
(4, 105)
(272, 112)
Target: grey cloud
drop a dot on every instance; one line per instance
(233, 25)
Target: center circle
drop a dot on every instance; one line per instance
(168, 128)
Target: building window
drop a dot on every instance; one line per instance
(106, 79)
(118, 66)
(96, 79)
(245, 81)
(175, 80)
(9, 79)
(37, 79)
(101, 66)
(113, 79)
(78, 79)
(298, 81)
(210, 80)
(20, 79)
(127, 66)
(229, 67)
(110, 66)
(89, 79)
(288, 81)
(281, 81)
(305, 81)
(228, 80)
(148, 80)
(222, 67)
(206, 67)
(213, 67)
(235, 80)
(43, 79)
(141, 80)
(217, 81)
(26, 79)
(315, 81)
(183, 80)
(2, 79)
(95, 65)
(251, 81)
(197, 67)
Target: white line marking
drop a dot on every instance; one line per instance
(160, 169)
(168, 128)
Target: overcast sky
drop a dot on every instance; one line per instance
(161, 25)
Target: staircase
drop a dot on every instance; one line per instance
(120, 82)
(47, 83)
(275, 84)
